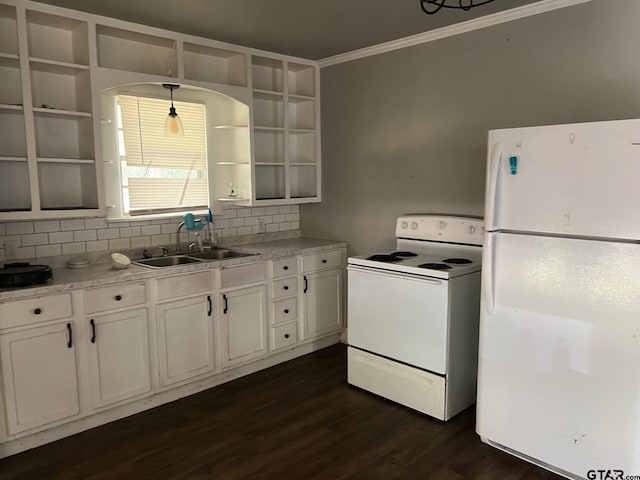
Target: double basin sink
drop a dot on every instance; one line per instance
(192, 257)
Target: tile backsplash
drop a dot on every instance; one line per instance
(50, 238)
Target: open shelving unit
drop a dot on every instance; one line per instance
(55, 64)
(47, 156)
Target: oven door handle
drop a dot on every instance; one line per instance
(384, 273)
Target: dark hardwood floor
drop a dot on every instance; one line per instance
(298, 420)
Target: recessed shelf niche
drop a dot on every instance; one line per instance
(56, 38)
(8, 30)
(136, 52)
(14, 185)
(214, 65)
(267, 74)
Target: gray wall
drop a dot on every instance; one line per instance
(406, 131)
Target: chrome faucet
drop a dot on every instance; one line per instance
(178, 236)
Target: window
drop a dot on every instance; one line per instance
(161, 174)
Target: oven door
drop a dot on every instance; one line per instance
(400, 316)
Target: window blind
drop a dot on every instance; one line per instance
(162, 173)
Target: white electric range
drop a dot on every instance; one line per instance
(413, 315)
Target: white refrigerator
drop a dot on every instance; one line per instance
(559, 361)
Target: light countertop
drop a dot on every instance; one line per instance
(97, 274)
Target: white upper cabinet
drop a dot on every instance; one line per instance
(55, 63)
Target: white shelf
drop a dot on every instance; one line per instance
(13, 159)
(302, 164)
(269, 164)
(232, 163)
(70, 161)
(259, 128)
(267, 94)
(9, 59)
(230, 127)
(53, 66)
(4, 106)
(231, 199)
(64, 113)
(300, 98)
(296, 131)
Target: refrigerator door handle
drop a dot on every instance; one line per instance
(487, 274)
(492, 185)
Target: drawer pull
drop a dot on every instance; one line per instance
(93, 330)
(37, 311)
(306, 284)
(118, 298)
(70, 332)
(286, 310)
(286, 287)
(286, 335)
(226, 305)
(324, 260)
(286, 267)
(210, 305)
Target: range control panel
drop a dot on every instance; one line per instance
(441, 228)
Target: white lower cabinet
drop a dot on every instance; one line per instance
(185, 339)
(322, 302)
(244, 324)
(80, 353)
(40, 377)
(118, 356)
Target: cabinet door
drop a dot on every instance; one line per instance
(322, 302)
(119, 356)
(185, 339)
(244, 323)
(39, 376)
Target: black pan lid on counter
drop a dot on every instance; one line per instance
(23, 274)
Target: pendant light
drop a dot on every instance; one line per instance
(173, 124)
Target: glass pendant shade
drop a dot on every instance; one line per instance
(173, 125)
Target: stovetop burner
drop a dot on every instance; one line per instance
(457, 261)
(404, 254)
(384, 258)
(435, 266)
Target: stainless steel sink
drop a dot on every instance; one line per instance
(169, 261)
(192, 257)
(219, 254)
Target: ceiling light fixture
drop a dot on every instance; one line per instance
(431, 7)
(173, 124)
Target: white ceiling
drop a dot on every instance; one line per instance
(311, 29)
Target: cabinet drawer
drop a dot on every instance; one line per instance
(115, 296)
(184, 285)
(284, 288)
(284, 310)
(284, 267)
(320, 261)
(32, 310)
(284, 335)
(242, 275)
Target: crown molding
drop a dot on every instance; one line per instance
(451, 30)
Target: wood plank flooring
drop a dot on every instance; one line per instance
(298, 420)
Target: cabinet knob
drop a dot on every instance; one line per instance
(286, 287)
(286, 267)
(118, 298)
(37, 311)
(324, 260)
(286, 310)
(286, 335)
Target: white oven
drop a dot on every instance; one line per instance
(413, 315)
